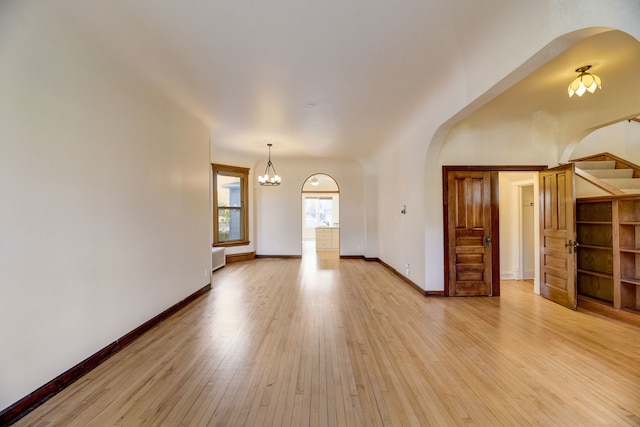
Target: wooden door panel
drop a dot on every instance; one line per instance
(557, 258)
(469, 225)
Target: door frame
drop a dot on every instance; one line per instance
(495, 221)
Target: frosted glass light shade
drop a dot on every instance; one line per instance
(584, 82)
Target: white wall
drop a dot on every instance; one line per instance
(529, 229)
(508, 228)
(512, 213)
(104, 210)
(621, 139)
(278, 223)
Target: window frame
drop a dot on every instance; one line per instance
(243, 174)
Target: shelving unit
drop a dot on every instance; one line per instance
(629, 213)
(594, 232)
(608, 255)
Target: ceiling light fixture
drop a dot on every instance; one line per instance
(584, 82)
(315, 181)
(267, 179)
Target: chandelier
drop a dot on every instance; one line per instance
(584, 82)
(270, 176)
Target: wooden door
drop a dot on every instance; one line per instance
(557, 235)
(469, 233)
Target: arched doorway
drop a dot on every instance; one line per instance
(320, 215)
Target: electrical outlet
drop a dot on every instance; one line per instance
(206, 272)
(407, 269)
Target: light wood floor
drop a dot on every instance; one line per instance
(329, 342)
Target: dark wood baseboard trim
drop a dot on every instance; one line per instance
(397, 273)
(245, 256)
(405, 279)
(596, 307)
(362, 257)
(433, 293)
(280, 256)
(30, 402)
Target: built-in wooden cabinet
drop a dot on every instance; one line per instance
(629, 213)
(327, 239)
(608, 255)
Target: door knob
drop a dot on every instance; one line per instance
(571, 245)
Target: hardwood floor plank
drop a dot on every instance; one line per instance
(330, 342)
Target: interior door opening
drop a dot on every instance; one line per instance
(518, 208)
(320, 216)
(485, 238)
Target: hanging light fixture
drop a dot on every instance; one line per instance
(584, 82)
(314, 181)
(270, 176)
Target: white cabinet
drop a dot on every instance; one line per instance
(327, 238)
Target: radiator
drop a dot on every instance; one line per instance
(218, 259)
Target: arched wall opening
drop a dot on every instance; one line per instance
(532, 121)
(320, 215)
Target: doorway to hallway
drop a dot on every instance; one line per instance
(473, 235)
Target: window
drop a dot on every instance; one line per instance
(318, 211)
(230, 206)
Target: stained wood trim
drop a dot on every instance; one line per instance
(433, 293)
(598, 307)
(30, 402)
(597, 182)
(495, 235)
(635, 119)
(232, 243)
(245, 256)
(620, 162)
(608, 198)
(445, 222)
(243, 174)
(402, 277)
(396, 272)
(362, 257)
(511, 168)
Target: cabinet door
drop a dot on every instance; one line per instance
(323, 233)
(323, 244)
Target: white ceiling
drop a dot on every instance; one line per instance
(614, 56)
(331, 78)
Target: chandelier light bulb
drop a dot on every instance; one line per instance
(270, 177)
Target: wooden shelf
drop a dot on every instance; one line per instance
(602, 248)
(631, 280)
(595, 273)
(590, 300)
(608, 255)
